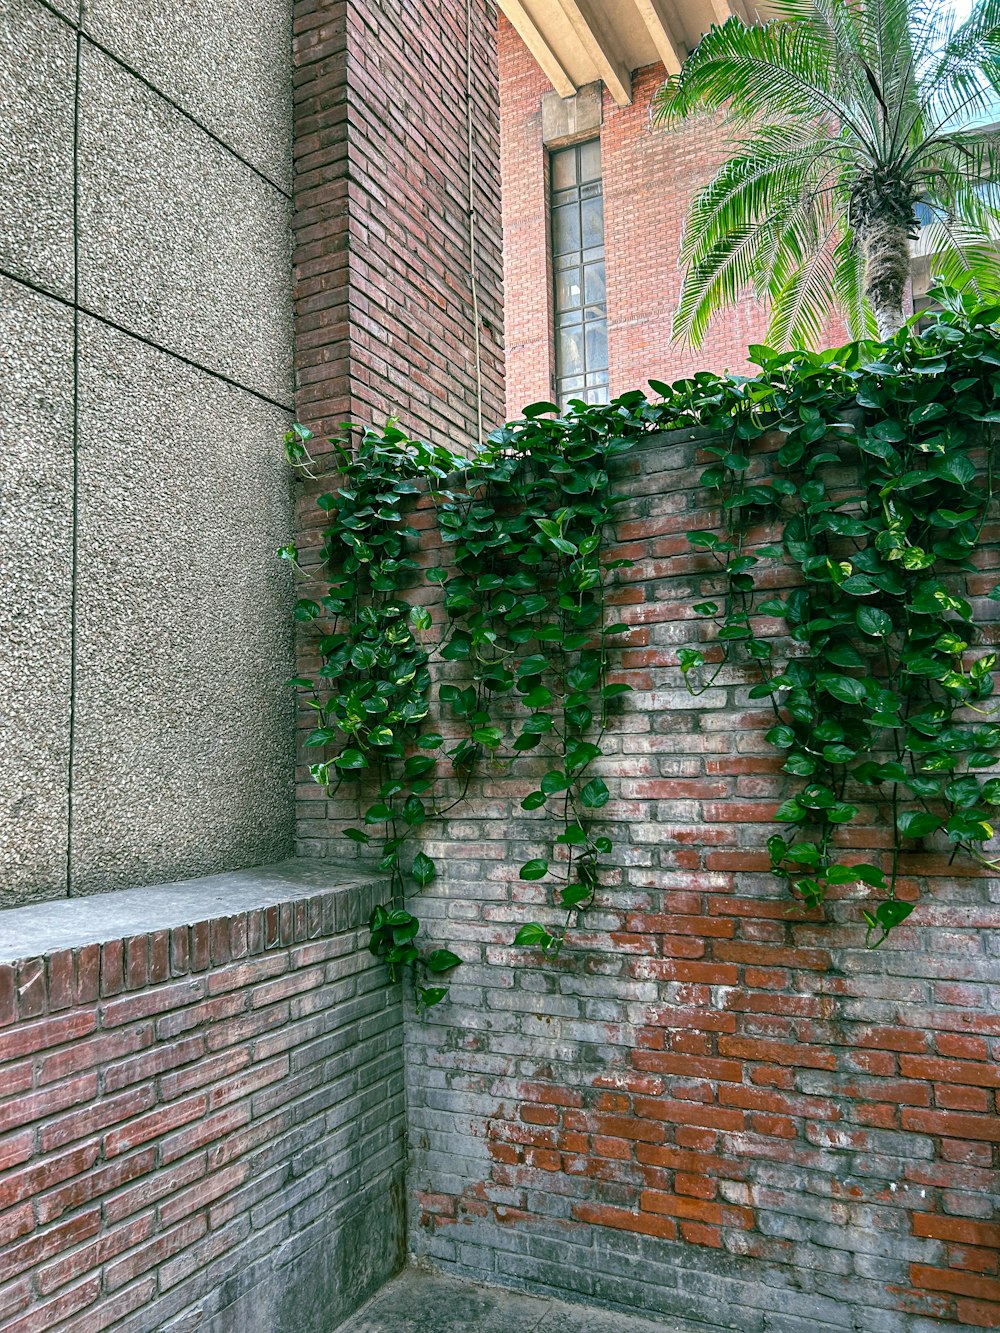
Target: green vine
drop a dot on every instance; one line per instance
(528, 615)
(372, 693)
(876, 498)
(871, 506)
(524, 619)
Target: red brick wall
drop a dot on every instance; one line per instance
(205, 1120)
(650, 177)
(384, 304)
(384, 317)
(715, 1106)
(527, 277)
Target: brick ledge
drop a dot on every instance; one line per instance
(42, 929)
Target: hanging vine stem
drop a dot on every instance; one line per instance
(874, 706)
(878, 506)
(372, 694)
(527, 602)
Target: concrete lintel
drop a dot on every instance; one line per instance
(601, 46)
(654, 15)
(534, 40)
(723, 10)
(565, 119)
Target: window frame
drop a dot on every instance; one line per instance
(591, 381)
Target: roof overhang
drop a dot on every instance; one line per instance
(576, 42)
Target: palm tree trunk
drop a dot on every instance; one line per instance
(885, 245)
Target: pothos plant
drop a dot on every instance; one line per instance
(371, 695)
(873, 503)
(525, 597)
(524, 617)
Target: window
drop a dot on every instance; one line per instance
(923, 256)
(580, 304)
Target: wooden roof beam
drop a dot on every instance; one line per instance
(601, 46)
(534, 40)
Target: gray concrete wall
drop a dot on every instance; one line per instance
(145, 382)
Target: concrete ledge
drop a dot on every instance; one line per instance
(428, 1302)
(72, 923)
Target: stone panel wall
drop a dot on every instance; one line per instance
(201, 1108)
(145, 382)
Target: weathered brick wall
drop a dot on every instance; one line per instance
(384, 299)
(715, 1106)
(202, 1127)
(650, 177)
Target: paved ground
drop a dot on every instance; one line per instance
(425, 1303)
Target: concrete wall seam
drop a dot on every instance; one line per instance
(117, 157)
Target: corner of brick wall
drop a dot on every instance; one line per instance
(202, 1125)
(385, 324)
(716, 1105)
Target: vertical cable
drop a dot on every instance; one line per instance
(477, 335)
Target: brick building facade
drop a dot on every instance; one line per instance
(214, 1107)
(650, 176)
(397, 230)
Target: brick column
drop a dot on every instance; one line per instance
(386, 305)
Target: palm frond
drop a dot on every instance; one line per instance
(716, 280)
(960, 47)
(850, 115)
(795, 224)
(757, 73)
(800, 309)
(964, 255)
(960, 81)
(837, 26)
(849, 289)
(747, 189)
(768, 254)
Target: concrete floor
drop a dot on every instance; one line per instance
(417, 1302)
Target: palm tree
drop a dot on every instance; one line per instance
(856, 124)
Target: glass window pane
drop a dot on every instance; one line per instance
(594, 292)
(592, 211)
(564, 169)
(568, 293)
(571, 351)
(581, 324)
(590, 160)
(565, 228)
(597, 345)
